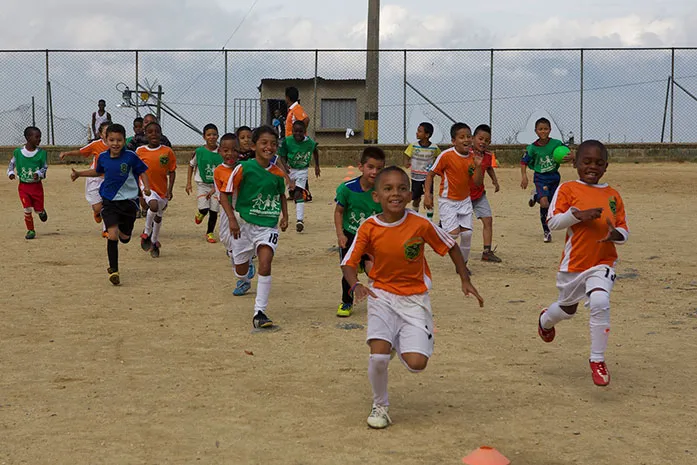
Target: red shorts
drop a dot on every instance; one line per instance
(32, 195)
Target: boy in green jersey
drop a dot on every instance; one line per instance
(28, 163)
(202, 166)
(296, 151)
(539, 157)
(259, 186)
(354, 205)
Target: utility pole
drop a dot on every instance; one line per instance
(372, 80)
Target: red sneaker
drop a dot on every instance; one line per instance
(601, 377)
(546, 335)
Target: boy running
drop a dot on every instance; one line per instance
(202, 165)
(419, 158)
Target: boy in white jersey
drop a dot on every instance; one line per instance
(419, 157)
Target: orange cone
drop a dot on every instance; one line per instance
(348, 178)
(485, 455)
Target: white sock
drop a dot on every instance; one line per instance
(599, 324)
(149, 220)
(242, 277)
(263, 291)
(466, 243)
(300, 211)
(156, 230)
(553, 315)
(377, 375)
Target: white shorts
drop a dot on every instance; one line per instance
(299, 177)
(575, 287)
(224, 230)
(405, 321)
(251, 237)
(481, 207)
(161, 203)
(212, 203)
(455, 214)
(92, 186)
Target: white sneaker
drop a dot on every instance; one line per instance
(379, 417)
(548, 237)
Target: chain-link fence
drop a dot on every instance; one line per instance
(615, 95)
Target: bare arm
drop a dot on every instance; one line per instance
(407, 161)
(90, 173)
(315, 155)
(189, 175)
(170, 188)
(467, 286)
(428, 188)
(339, 226)
(226, 203)
(492, 174)
(72, 153)
(524, 176)
(284, 212)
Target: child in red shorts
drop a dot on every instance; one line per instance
(29, 165)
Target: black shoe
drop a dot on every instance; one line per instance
(145, 242)
(155, 250)
(260, 320)
(299, 226)
(43, 216)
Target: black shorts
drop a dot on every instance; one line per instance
(417, 189)
(121, 213)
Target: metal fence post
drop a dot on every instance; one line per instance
(137, 94)
(672, 89)
(491, 88)
(581, 121)
(404, 102)
(314, 112)
(225, 91)
(48, 121)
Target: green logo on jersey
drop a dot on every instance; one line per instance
(124, 168)
(613, 205)
(164, 160)
(412, 248)
(471, 170)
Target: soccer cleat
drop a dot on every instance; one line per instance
(105, 234)
(345, 310)
(155, 250)
(379, 417)
(546, 335)
(145, 242)
(198, 219)
(548, 237)
(252, 271)
(307, 196)
(601, 377)
(210, 238)
(31, 234)
(43, 216)
(299, 226)
(242, 288)
(97, 217)
(113, 277)
(533, 199)
(260, 320)
(490, 256)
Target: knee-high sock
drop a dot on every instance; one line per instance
(112, 250)
(156, 230)
(300, 210)
(543, 219)
(241, 277)
(149, 220)
(29, 220)
(263, 291)
(466, 243)
(377, 375)
(553, 315)
(212, 219)
(599, 324)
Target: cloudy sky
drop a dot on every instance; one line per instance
(341, 23)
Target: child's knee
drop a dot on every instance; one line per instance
(544, 202)
(125, 239)
(569, 309)
(415, 362)
(487, 221)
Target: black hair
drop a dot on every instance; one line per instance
(482, 128)
(209, 126)
(261, 130)
(228, 136)
(292, 94)
(375, 153)
(390, 169)
(428, 128)
(137, 120)
(101, 100)
(102, 124)
(152, 115)
(592, 144)
(458, 127)
(28, 130)
(242, 128)
(115, 127)
(542, 120)
(151, 123)
(299, 123)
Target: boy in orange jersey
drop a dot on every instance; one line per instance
(459, 170)
(399, 307)
(594, 217)
(92, 184)
(161, 164)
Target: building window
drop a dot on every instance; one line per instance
(339, 113)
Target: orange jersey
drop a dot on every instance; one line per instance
(161, 161)
(295, 113)
(456, 172)
(93, 149)
(582, 249)
(222, 178)
(398, 250)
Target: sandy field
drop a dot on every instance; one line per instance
(165, 369)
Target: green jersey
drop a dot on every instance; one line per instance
(539, 157)
(259, 192)
(358, 204)
(297, 153)
(207, 162)
(25, 164)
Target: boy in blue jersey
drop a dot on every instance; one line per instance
(121, 169)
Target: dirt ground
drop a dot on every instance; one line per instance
(165, 369)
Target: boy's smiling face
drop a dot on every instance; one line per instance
(265, 147)
(392, 192)
(115, 141)
(591, 165)
(462, 140)
(481, 141)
